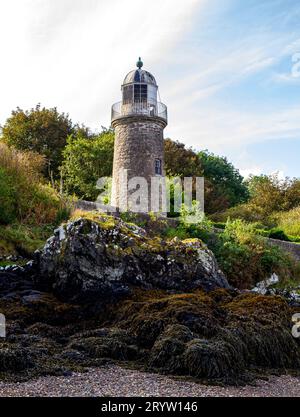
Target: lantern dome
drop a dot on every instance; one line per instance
(139, 96)
(139, 76)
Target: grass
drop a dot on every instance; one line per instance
(289, 222)
(23, 239)
(280, 232)
(25, 197)
(246, 258)
(19, 262)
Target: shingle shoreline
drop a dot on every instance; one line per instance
(115, 381)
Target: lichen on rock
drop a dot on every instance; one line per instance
(100, 256)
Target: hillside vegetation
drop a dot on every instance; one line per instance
(28, 205)
(46, 161)
(273, 207)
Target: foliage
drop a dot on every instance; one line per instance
(289, 221)
(224, 185)
(180, 161)
(85, 161)
(279, 234)
(202, 230)
(24, 196)
(271, 194)
(225, 178)
(270, 199)
(247, 212)
(41, 130)
(7, 198)
(192, 215)
(23, 239)
(246, 258)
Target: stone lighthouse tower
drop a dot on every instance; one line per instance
(139, 120)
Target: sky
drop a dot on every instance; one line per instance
(228, 70)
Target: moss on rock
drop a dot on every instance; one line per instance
(100, 256)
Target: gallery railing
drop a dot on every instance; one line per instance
(139, 108)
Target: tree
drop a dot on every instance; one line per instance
(228, 184)
(292, 193)
(224, 186)
(41, 130)
(271, 194)
(85, 161)
(180, 161)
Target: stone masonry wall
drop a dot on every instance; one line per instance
(138, 142)
(290, 247)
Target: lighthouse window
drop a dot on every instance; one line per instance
(127, 94)
(158, 170)
(137, 78)
(140, 93)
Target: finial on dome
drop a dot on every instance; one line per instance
(139, 63)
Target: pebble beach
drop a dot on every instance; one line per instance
(115, 381)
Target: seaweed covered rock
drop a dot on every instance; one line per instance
(220, 336)
(103, 256)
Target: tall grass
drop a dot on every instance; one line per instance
(246, 258)
(24, 195)
(289, 221)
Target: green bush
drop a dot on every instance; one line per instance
(201, 230)
(7, 198)
(85, 161)
(24, 195)
(41, 130)
(278, 234)
(246, 258)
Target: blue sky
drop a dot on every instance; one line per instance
(246, 100)
(225, 68)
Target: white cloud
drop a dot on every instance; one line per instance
(202, 119)
(219, 128)
(75, 54)
(253, 170)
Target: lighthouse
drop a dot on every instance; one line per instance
(138, 120)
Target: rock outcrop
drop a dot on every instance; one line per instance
(220, 337)
(164, 322)
(102, 257)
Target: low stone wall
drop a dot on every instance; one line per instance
(290, 247)
(92, 205)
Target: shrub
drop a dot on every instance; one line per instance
(200, 230)
(246, 258)
(270, 200)
(85, 161)
(42, 130)
(24, 196)
(248, 212)
(278, 234)
(7, 198)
